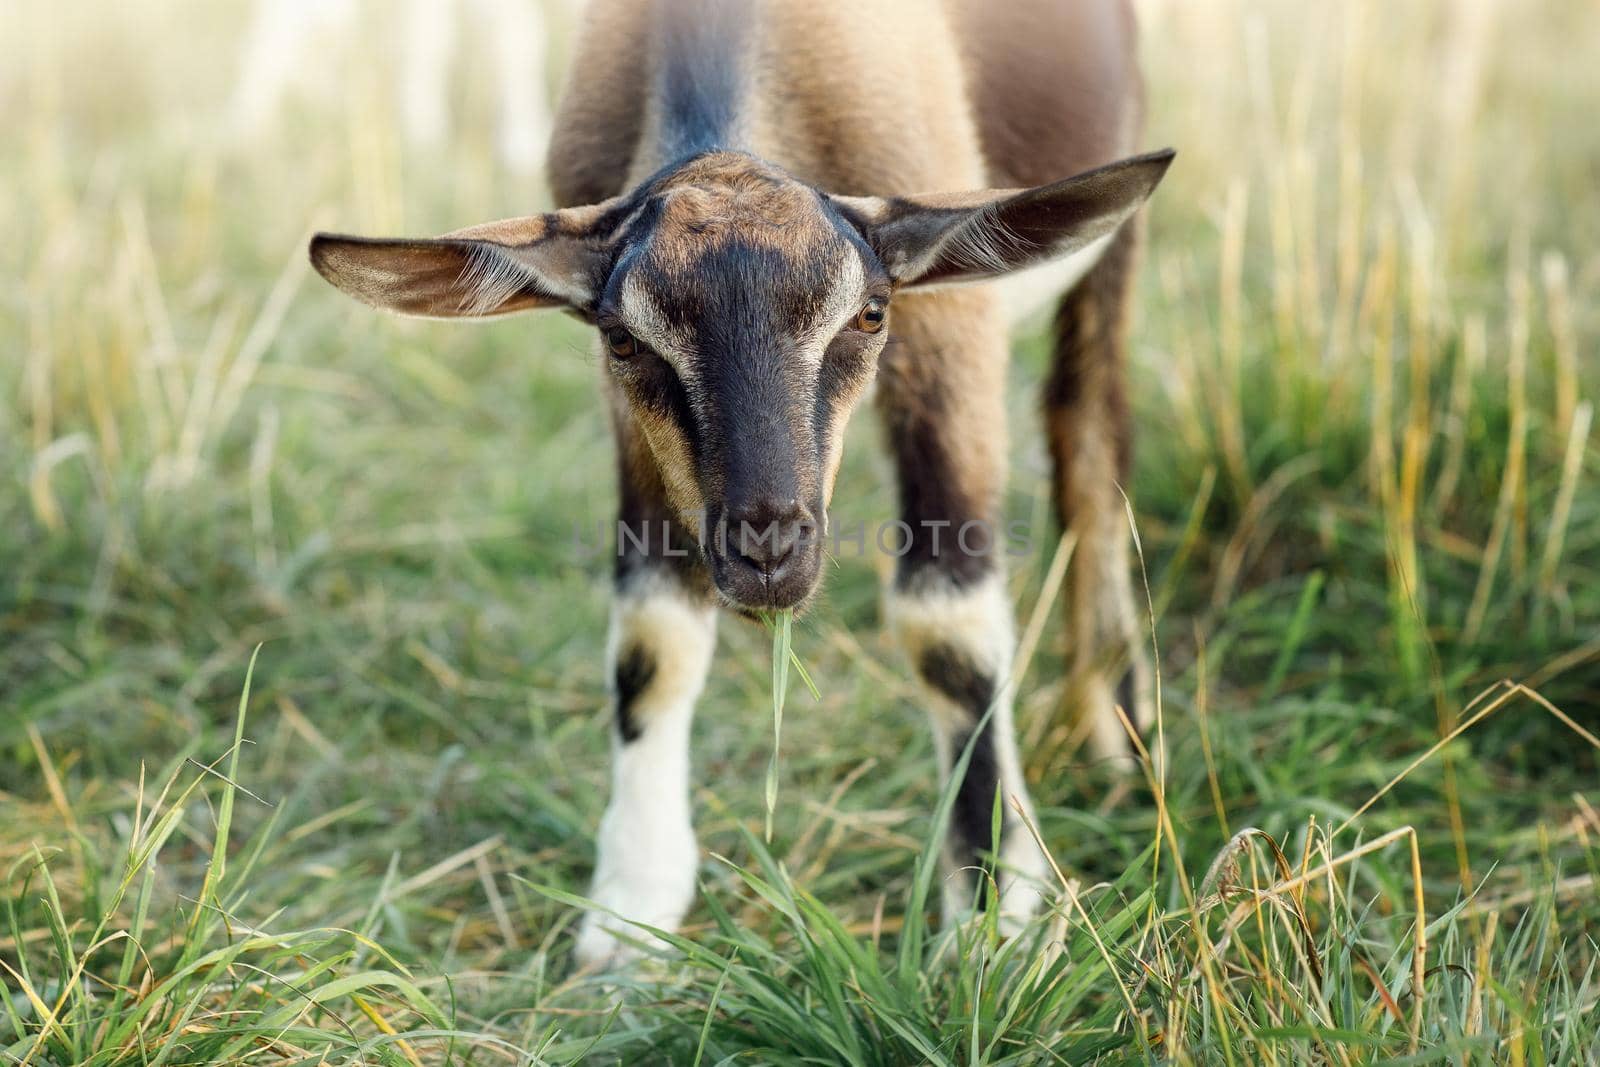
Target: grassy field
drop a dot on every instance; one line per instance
(1366, 493)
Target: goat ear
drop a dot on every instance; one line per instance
(554, 260)
(950, 238)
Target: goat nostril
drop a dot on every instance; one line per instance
(765, 533)
(764, 544)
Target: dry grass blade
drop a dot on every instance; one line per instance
(1223, 876)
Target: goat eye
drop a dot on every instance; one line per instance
(873, 316)
(620, 342)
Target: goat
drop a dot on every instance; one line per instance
(746, 221)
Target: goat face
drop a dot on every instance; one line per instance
(740, 314)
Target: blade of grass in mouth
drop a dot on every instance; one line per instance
(781, 654)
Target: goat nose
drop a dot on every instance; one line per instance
(764, 531)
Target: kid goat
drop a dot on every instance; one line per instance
(747, 222)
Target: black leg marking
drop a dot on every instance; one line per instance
(953, 673)
(972, 821)
(934, 505)
(635, 669)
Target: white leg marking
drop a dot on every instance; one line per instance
(976, 623)
(647, 855)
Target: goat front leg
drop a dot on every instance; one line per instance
(941, 393)
(663, 633)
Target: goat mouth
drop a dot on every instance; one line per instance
(765, 605)
(764, 612)
(756, 589)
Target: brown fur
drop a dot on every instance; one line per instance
(904, 96)
(914, 98)
(965, 94)
(748, 188)
(1055, 85)
(941, 397)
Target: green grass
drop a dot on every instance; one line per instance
(1366, 499)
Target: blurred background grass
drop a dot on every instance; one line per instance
(1364, 373)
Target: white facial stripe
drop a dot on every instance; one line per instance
(644, 319)
(843, 302)
(642, 314)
